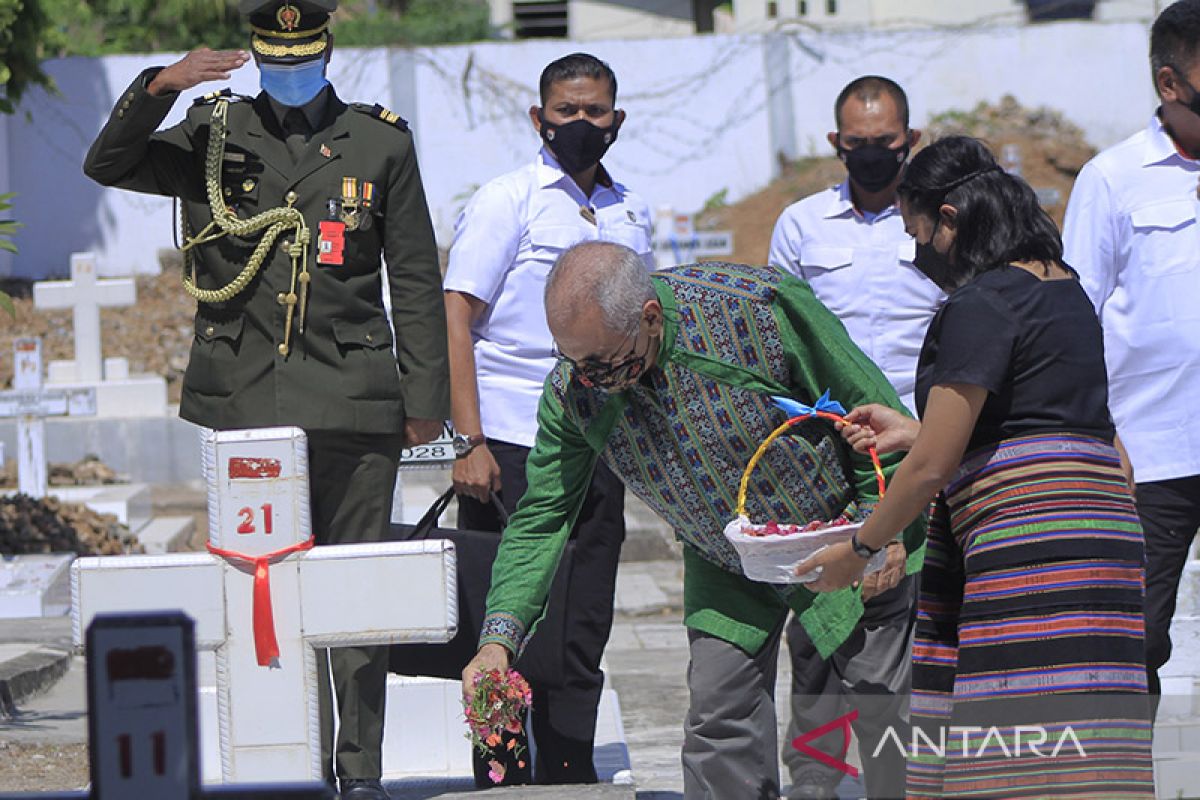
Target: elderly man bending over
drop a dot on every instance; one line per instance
(667, 377)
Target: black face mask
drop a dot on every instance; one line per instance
(578, 145)
(1192, 105)
(932, 264)
(874, 166)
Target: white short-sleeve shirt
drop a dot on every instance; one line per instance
(1132, 231)
(505, 242)
(861, 267)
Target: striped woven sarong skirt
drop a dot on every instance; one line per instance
(1028, 662)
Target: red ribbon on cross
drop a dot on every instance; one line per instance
(266, 646)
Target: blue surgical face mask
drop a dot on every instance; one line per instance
(293, 84)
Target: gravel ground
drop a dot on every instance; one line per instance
(42, 767)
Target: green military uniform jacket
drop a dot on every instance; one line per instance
(680, 439)
(340, 374)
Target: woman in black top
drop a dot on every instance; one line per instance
(1029, 627)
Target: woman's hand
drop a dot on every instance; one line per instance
(881, 427)
(838, 565)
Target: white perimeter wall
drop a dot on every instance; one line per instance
(706, 114)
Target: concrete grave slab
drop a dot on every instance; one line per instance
(36, 585)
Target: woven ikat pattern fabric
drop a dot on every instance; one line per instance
(684, 438)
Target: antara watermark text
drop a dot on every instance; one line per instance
(1020, 741)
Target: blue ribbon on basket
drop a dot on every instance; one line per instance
(794, 408)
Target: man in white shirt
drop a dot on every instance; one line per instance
(1133, 235)
(505, 242)
(849, 243)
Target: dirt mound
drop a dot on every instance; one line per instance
(155, 334)
(89, 471)
(1050, 149)
(52, 526)
(753, 218)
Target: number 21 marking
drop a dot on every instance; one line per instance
(247, 515)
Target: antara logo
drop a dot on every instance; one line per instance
(1022, 741)
(839, 763)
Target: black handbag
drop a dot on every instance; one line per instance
(541, 662)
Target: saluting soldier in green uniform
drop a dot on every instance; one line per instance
(288, 200)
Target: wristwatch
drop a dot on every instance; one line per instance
(463, 444)
(861, 550)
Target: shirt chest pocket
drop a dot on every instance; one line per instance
(819, 259)
(547, 242)
(634, 236)
(240, 182)
(1166, 237)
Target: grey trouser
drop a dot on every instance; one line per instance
(729, 736)
(871, 673)
(351, 478)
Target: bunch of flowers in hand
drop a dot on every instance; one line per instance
(497, 706)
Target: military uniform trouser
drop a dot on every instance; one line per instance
(351, 479)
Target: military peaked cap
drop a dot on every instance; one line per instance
(286, 31)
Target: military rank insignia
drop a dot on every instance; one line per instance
(382, 114)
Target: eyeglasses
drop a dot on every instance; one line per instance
(614, 373)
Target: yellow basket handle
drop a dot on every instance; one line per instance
(775, 434)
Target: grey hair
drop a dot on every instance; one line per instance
(606, 274)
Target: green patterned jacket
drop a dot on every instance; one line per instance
(680, 439)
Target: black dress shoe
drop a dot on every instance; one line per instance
(362, 789)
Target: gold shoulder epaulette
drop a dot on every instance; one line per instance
(213, 97)
(380, 113)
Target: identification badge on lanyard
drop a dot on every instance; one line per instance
(331, 240)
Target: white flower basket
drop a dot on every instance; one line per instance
(773, 558)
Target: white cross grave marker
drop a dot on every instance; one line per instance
(332, 596)
(29, 402)
(86, 295)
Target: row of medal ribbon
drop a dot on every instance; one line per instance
(353, 208)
